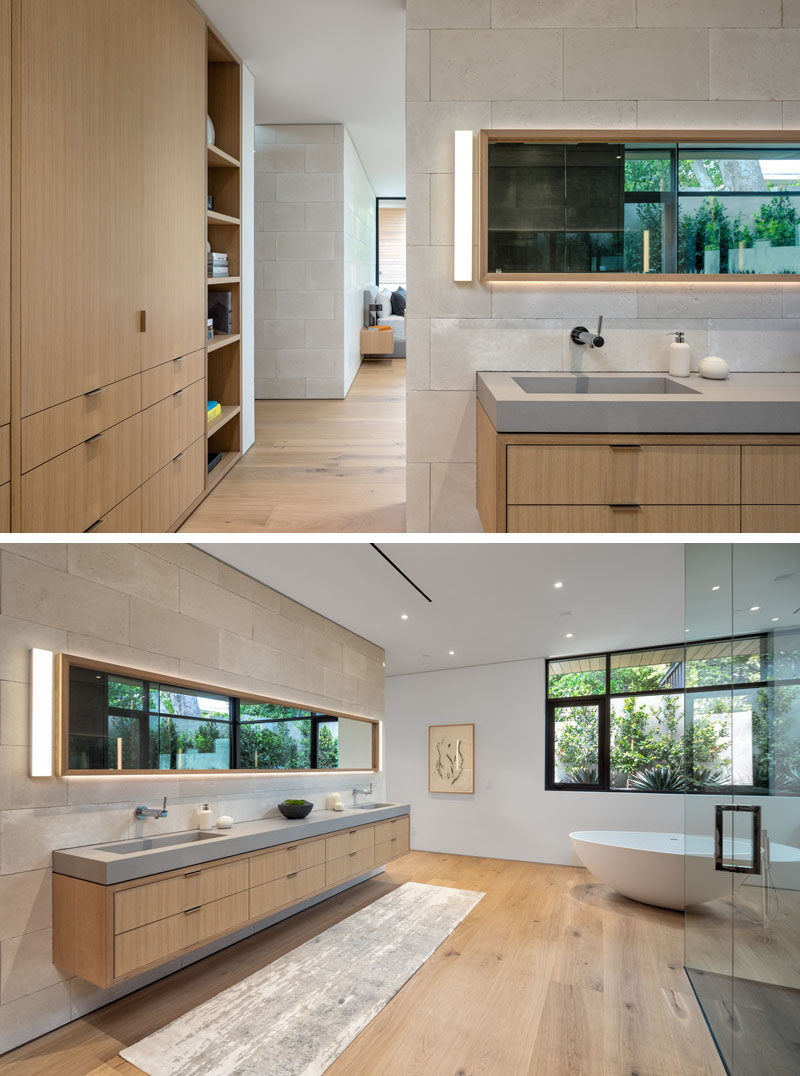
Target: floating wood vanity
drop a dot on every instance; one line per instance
(109, 933)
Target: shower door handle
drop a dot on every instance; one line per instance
(755, 848)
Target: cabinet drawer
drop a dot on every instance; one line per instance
(349, 866)
(157, 942)
(352, 840)
(169, 426)
(649, 518)
(74, 490)
(53, 431)
(159, 900)
(5, 454)
(389, 850)
(624, 474)
(771, 474)
(125, 518)
(384, 831)
(285, 891)
(172, 376)
(285, 861)
(167, 495)
(5, 507)
(772, 518)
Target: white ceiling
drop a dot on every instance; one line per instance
(320, 62)
(491, 602)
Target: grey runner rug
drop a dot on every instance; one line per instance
(295, 1016)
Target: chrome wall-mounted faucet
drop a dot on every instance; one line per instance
(152, 812)
(581, 335)
(361, 792)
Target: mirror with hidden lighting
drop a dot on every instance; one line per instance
(639, 204)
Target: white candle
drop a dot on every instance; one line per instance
(119, 752)
(646, 250)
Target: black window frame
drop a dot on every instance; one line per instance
(378, 200)
(604, 715)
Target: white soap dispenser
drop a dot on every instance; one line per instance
(680, 355)
(205, 817)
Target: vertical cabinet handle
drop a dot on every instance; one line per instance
(142, 321)
(754, 867)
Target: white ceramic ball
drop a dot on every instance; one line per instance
(713, 367)
(224, 822)
(211, 134)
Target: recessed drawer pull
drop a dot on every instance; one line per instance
(192, 874)
(625, 448)
(179, 457)
(179, 358)
(625, 507)
(93, 440)
(353, 832)
(178, 393)
(293, 874)
(395, 838)
(95, 392)
(292, 848)
(94, 526)
(190, 911)
(353, 853)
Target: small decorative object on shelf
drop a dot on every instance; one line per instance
(217, 264)
(210, 329)
(219, 310)
(214, 409)
(211, 201)
(374, 311)
(213, 459)
(211, 134)
(224, 821)
(295, 808)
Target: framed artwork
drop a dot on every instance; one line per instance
(451, 758)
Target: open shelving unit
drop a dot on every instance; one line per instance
(223, 352)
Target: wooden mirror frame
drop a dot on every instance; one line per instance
(486, 137)
(65, 662)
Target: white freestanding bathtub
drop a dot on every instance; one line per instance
(664, 869)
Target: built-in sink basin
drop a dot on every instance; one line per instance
(579, 384)
(372, 806)
(126, 848)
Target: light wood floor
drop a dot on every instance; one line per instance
(320, 465)
(550, 974)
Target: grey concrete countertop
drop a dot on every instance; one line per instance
(106, 868)
(744, 403)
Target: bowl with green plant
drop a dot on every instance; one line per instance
(295, 808)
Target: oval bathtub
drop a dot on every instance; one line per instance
(649, 867)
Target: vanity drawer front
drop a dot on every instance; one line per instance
(5, 507)
(349, 866)
(771, 474)
(284, 861)
(771, 518)
(125, 518)
(158, 900)
(167, 495)
(169, 426)
(283, 892)
(158, 941)
(5, 454)
(169, 377)
(652, 518)
(385, 831)
(352, 840)
(623, 474)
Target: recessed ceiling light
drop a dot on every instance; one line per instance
(569, 635)
(715, 588)
(775, 618)
(558, 585)
(452, 652)
(754, 608)
(404, 616)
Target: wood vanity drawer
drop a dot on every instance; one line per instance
(286, 860)
(771, 518)
(5, 507)
(771, 474)
(157, 942)
(171, 425)
(282, 892)
(161, 381)
(167, 495)
(75, 490)
(352, 840)
(644, 519)
(349, 866)
(124, 518)
(5, 454)
(385, 831)
(607, 474)
(53, 431)
(159, 900)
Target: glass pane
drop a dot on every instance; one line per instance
(184, 744)
(576, 740)
(328, 743)
(647, 743)
(184, 702)
(573, 677)
(275, 745)
(125, 694)
(724, 661)
(642, 670)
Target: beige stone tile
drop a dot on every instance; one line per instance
(323, 334)
(711, 115)
(453, 498)
(791, 300)
(47, 596)
(430, 128)
(16, 639)
(264, 187)
(418, 481)
(563, 114)
(418, 209)
(305, 362)
(238, 655)
(301, 614)
(636, 64)
(791, 12)
(368, 649)
(82, 646)
(418, 353)
(640, 344)
(128, 790)
(324, 216)
(292, 388)
(433, 293)
(177, 636)
(215, 604)
(18, 790)
(186, 556)
(127, 568)
(418, 65)
(27, 902)
(85, 997)
(226, 680)
(755, 345)
(678, 301)
(279, 632)
(441, 427)
(305, 246)
(307, 132)
(339, 685)
(26, 965)
(28, 1017)
(461, 347)
(14, 713)
(573, 301)
(264, 134)
(283, 216)
(324, 158)
(283, 158)
(304, 187)
(298, 674)
(370, 699)
(281, 276)
(363, 667)
(485, 65)
(522, 14)
(28, 837)
(442, 209)
(447, 13)
(53, 554)
(247, 587)
(760, 64)
(709, 12)
(321, 649)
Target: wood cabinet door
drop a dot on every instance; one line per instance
(78, 147)
(5, 212)
(172, 232)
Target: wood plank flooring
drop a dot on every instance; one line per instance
(551, 974)
(320, 465)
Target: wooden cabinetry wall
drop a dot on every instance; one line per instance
(103, 186)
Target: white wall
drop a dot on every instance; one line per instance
(248, 259)
(360, 222)
(572, 64)
(510, 815)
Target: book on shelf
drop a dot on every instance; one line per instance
(218, 270)
(213, 459)
(215, 257)
(214, 409)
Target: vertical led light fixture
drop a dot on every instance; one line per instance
(41, 713)
(462, 207)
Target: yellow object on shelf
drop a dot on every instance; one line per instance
(214, 411)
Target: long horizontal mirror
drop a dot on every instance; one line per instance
(637, 206)
(116, 720)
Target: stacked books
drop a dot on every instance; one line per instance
(218, 264)
(214, 409)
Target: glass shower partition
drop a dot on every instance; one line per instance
(742, 799)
